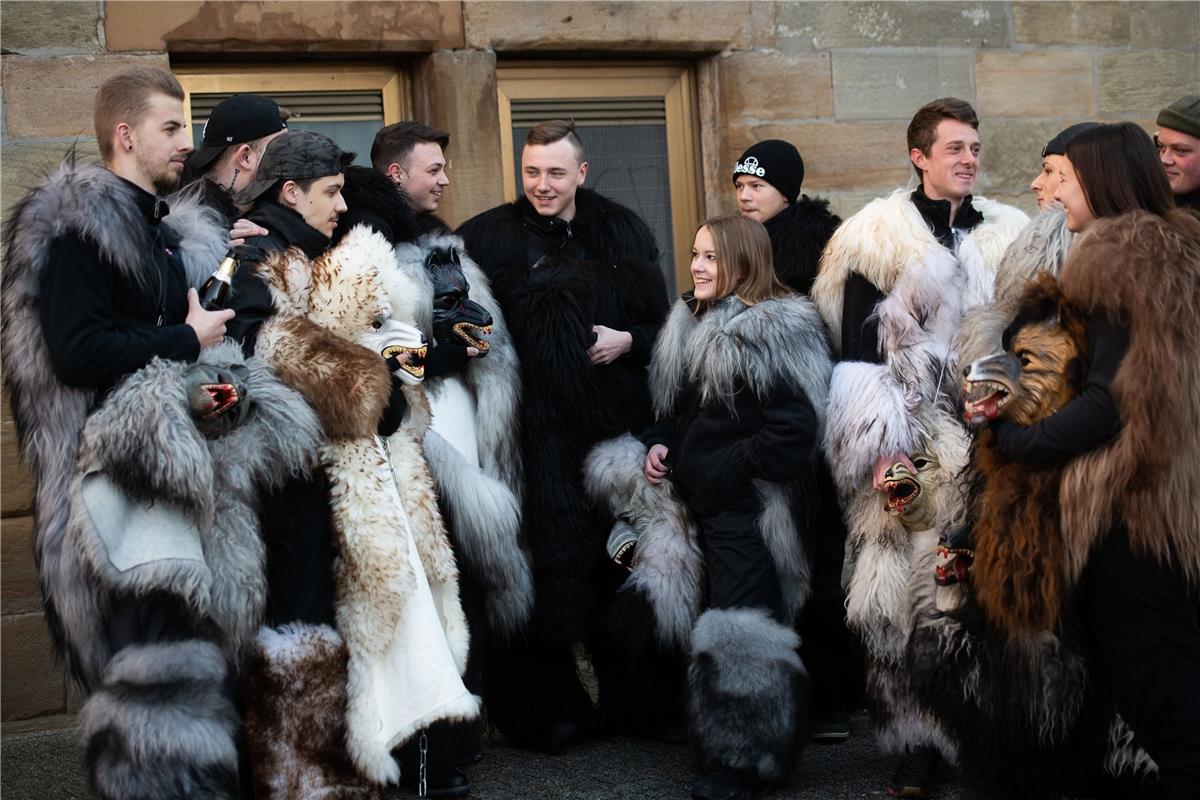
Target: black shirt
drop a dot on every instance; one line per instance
(101, 324)
(860, 328)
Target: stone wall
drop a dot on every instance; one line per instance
(840, 79)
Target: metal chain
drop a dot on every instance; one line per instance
(421, 776)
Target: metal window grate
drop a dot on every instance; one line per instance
(591, 112)
(350, 106)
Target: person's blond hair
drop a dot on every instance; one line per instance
(125, 97)
(745, 264)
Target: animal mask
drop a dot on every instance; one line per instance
(217, 397)
(455, 317)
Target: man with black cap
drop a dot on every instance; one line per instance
(1178, 141)
(235, 137)
(767, 179)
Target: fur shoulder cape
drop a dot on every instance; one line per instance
(1146, 270)
(96, 204)
(888, 235)
(733, 345)
(498, 238)
(1041, 246)
(799, 240)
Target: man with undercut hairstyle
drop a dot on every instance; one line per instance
(413, 157)
(895, 280)
(98, 283)
(577, 280)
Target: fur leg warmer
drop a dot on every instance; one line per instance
(295, 716)
(162, 726)
(748, 693)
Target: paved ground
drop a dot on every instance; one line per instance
(48, 765)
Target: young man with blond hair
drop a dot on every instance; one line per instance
(98, 283)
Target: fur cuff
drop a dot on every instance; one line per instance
(162, 727)
(295, 716)
(748, 693)
(870, 415)
(668, 567)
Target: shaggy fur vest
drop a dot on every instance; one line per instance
(1144, 269)
(92, 202)
(473, 445)
(397, 605)
(730, 347)
(903, 405)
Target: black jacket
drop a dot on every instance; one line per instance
(714, 454)
(99, 325)
(860, 330)
(373, 200)
(250, 298)
(799, 234)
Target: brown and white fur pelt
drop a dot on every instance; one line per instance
(890, 565)
(789, 348)
(93, 202)
(392, 551)
(1042, 246)
(1144, 269)
(668, 566)
(481, 490)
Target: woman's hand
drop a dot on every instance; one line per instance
(654, 469)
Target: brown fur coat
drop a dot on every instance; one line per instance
(1019, 572)
(1146, 270)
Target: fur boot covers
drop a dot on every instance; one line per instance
(748, 694)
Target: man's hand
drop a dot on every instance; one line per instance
(208, 325)
(610, 345)
(881, 467)
(242, 230)
(654, 469)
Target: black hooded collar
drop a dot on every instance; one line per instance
(289, 227)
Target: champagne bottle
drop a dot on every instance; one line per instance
(214, 294)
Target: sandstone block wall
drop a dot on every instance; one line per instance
(840, 79)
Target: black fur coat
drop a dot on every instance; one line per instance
(799, 234)
(568, 403)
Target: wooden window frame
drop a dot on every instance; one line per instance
(672, 81)
(391, 81)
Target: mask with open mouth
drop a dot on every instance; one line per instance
(402, 347)
(456, 318)
(217, 397)
(907, 494)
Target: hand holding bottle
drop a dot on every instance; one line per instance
(208, 325)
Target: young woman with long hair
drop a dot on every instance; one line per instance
(1129, 497)
(739, 379)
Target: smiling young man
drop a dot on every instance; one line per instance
(895, 280)
(413, 157)
(97, 284)
(577, 280)
(1178, 142)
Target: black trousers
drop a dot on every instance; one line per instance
(298, 533)
(741, 573)
(1144, 626)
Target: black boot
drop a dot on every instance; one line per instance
(723, 783)
(916, 774)
(441, 778)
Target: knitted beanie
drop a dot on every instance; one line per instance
(775, 161)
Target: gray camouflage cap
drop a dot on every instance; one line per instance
(296, 155)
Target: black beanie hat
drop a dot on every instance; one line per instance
(1058, 145)
(775, 161)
